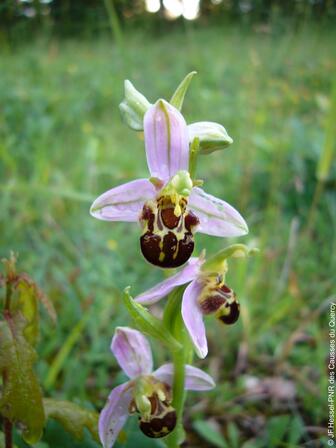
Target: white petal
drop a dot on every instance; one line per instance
(161, 290)
(132, 351)
(193, 318)
(195, 379)
(123, 203)
(114, 414)
(166, 140)
(216, 217)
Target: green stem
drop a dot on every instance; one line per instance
(175, 439)
(178, 388)
(173, 320)
(194, 151)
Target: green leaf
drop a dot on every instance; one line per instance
(25, 300)
(72, 417)
(172, 319)
(149, 324)
(296, 431)
(254, 443)
(209, 434)
(178, 97)
(65, 350)
(172, 310)
(276, 430)
(21, 400)
(233, 435)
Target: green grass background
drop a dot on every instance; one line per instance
(62, 142)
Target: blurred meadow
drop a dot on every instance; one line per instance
(272, 85)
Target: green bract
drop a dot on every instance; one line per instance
(218, 262)
(179, 94)
(149, 324)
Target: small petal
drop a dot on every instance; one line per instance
(123, 203)
(132, 351)
(195, 379)
(212, 136)
(216, 217)
(133, 107)
(193, 318)
(114, 415)
(166, 140)
(161, 290)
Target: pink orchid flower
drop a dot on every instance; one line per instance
(168, 205)
(147, 392)
(206, 294)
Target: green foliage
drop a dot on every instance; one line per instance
(284, 428)
(63, 355)
(21, 396)
(21, 399)
(25, 301)
(72, 417)
(209, 434)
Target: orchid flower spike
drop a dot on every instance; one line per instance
(147, 393)
(168, 205)
(206, 294)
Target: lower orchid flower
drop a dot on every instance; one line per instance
(169, 206)
(206, 294)
(147, 393)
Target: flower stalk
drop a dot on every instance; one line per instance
(173, 320)
(175, 439)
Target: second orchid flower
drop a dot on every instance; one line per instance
(207, 293)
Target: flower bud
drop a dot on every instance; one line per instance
(133, 107)
(212, 136)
